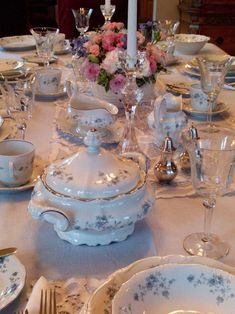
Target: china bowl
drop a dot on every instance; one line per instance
(175, 288)
(190, 44)
(93, 197)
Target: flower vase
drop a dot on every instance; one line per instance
(117, 98)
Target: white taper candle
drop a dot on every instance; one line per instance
(132, 28)
(107, 5)
(154, 10)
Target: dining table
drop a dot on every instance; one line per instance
(177, 212)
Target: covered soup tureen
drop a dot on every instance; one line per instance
(93, 197)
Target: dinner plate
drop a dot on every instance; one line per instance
(101, 300)
(12, 279)
(175, 288)
(38, 168)
(7, 65)
(62, 92)
(111, 135)
(17, 43)
(36, 59)
(219, 109)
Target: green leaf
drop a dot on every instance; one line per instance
(93, 59)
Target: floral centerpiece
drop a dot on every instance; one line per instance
(101, 61)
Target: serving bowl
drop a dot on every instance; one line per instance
(190, 44)
(93, 197)
(174, 288)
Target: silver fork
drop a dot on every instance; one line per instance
(48, 302)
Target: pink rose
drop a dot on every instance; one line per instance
(153, 64)
(90, 70)
(95, 50)
(112, 26)
(96, 39)
(140, 38)
(117, 83)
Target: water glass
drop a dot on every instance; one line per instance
(82, 19)
(107, 12)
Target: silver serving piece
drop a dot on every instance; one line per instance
(166, 170)
(184, 157)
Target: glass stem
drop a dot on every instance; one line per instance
(210, 106)
(209, 205)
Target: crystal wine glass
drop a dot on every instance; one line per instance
(44, 38)
(19, 99)
(168, 29)
(132, 97)
(107, 12)
(213, 70)
(212, 159)
(82, 19)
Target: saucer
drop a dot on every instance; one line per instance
(12, 278)
(219, 109)
(62, 92)
(111, 135)
(38, 167)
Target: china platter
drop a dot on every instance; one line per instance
(12, 279)
(17, 43)
(62, 92)
(175, 288)
(101, 300)
(111, 135)
(9, 65)
(38, 167)
(220, 109)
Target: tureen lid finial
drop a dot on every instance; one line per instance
(167, 145)
(92, 141)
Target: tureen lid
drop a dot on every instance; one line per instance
(93, 172)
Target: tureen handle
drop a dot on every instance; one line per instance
(137, 157)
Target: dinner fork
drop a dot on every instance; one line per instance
(48, 302)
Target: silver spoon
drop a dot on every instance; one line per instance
(7, 251)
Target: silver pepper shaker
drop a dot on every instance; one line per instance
(184, 157)
(165, 169)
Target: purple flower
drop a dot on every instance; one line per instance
(90, 70)
(117, 83)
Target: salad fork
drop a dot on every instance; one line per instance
(48, 302)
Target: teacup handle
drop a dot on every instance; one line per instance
(11, 169)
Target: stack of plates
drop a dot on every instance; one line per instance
(171, 284)
(18, 43)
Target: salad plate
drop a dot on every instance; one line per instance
(62, 92)
(101, 300)
(12, 279)
(18, 43)
(188, 109)
(7, 65)
(38, 167)
(36, 59)
(110, 135)
(175, 288)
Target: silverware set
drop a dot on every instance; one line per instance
(47, 303)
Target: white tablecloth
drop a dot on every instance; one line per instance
(161, 233)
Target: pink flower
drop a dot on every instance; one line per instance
(108, 41)
(97, 38)
(140, 38)
(153, 64)
(117, 83)
(95, 50)
(113, 26)
(90, 70)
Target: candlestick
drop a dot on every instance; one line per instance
(154, 10)
(107, 5)
(132, 28)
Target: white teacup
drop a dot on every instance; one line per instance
(16, 162)
(199, 100)
(59, 42)
(48, 80)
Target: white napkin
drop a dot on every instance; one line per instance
(33, 305)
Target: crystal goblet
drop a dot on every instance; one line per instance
(107, 12)
(44, 38)
(212, 158)
(168, 29)
(82, 19)
(213, 70)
